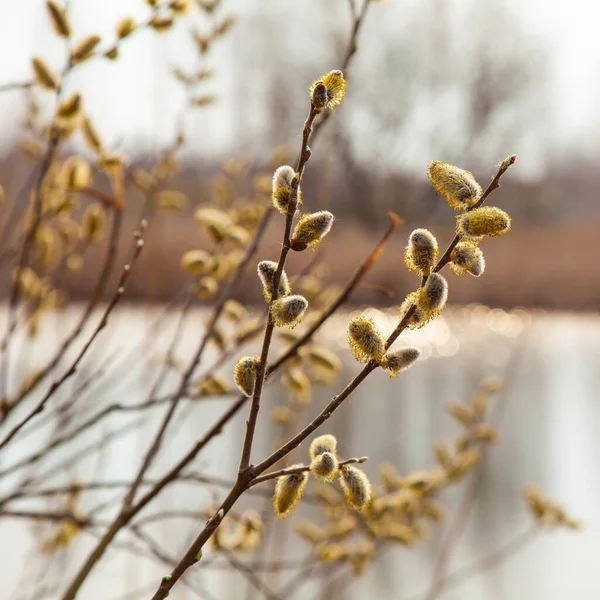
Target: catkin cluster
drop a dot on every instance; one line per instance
(324, 466)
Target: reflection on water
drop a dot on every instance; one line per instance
(550, 366)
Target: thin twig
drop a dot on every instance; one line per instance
(126, 272)
(300, 469)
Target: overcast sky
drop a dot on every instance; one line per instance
(135, 104)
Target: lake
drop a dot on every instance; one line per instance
(550, 409)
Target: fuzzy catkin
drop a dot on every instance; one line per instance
(311, 229)
(324, 466)
(434, 293)
(421, 252)
(323, 443)
(365, 339)
(458, 187)
(288, 492)
(335, 87)
(288, 311)
(266, 271)
(244, 374)
(483, 221)
(467, 257)
(281, 196)
(395, 361)
(356, 486)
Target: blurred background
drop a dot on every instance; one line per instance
(462, 81)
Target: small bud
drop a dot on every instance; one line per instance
(464, 414)
(356, 486)
(442, 455)
(58, 18)
(197, 262)
(319, 95)
(289, 310)
(486, 220)
(76, 173)
(160, 24)
(282, 415)
(457, 186)
(311, 229)
(244, 374)
(508, 161)
(322, 357)
(335, 88)
(395, 361)
(125, 27)
(93, 223)
(216, 222)
(467, 257)
(43, 75)
(288, 491)
(266, 271)
(324, 466)
(207, 288)
(90, 136)
(111, 163)
(112, 53)
(171, 200)
(234, 311)
(298, 384)
(281, 196)
(323, 443)
(421, 252)
(69, 108)
(365, 339)
(433, 295)
(85, 48)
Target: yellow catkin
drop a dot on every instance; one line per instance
(421, 252)
(323, 443)
(281, 194)
(58, 19)
(311, 229)
(467, 257)
(356, 486)
(160, 24)
(483, 221)
(234, 311)
(324, 466)
(207, 288)
(197, 262)
(91, 136)
(171, 200)
(457, 186)
(70, 108)
(288, 311)
(76, 173)
(395, 361)
(433, 295)
(244, 374)
(288, 492)
(93, 223)
(266, 271)
(323, 357)
(125, 27)
(84, 49)
(335, 88)
(43, 75)
(365, 339)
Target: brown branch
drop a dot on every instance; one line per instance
(126, 272)
(261, 368)
(358, 20)
(300, 469)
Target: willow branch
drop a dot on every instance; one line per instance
(125, 274)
